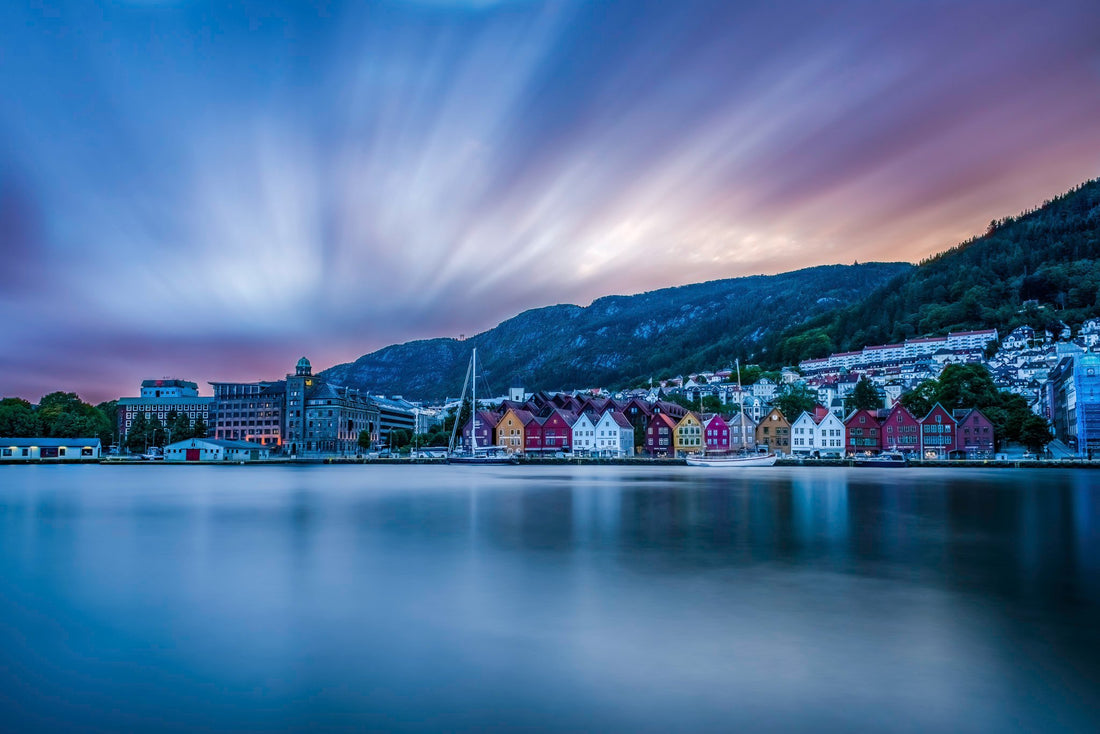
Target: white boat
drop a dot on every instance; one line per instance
(739, 461)
(476, 454)
(729, 462)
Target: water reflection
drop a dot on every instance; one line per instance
(626, 599)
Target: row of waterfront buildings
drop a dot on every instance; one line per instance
(1056, 372)
(606, 427)
(300, 415)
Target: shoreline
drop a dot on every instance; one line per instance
(578, 461)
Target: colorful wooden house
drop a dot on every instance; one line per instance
(862, 432)
(716, 434)
(557, 431)
(974, 436)
(486, 429)
(688, 438)
(774, 431)
(584, 433)
(742, 432)
(510, 430)
(659, 435)
(938, 433)
(900, 431)
(532, 435)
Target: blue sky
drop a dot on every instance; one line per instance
(209, 191)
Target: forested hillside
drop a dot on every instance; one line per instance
(620, 340)
(1039, 268)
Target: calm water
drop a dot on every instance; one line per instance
(578, 599)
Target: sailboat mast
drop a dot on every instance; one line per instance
(740, 406)
(473, 394)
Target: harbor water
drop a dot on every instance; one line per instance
(548, 598)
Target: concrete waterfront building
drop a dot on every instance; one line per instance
(49, 449)
(1073, 402)
(159, 397)
(249, 411)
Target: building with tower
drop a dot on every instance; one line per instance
(325, 419)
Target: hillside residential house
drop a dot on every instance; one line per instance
(774, 431)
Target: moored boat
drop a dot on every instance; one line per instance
(730, 462)
(886, 459)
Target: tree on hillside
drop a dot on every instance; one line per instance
(966, 386)
(865, 396)
(920, 400)
(795, 399)
(711, 404)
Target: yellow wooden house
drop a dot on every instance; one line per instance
(688, 436)
(509, 430)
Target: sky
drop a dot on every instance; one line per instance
(211, 190)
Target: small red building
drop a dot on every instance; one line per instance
(938, 432)
(862, 433)
(900, 431)
(974, 435)
(659, 434)
(716, 434)
(557, 431)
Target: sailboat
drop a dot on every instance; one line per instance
(744, 460)
(476, 454)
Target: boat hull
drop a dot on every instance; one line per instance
(732, 462)
(884, 464)
(481, 460)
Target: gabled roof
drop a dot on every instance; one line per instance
(621, 420)
(48, 442)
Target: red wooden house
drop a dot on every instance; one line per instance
(938, 432)
(974, 436)
(659, 435)
(716, 434)
(900, 431)
(557, 431)
(862, 433)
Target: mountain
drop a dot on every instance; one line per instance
(1040, 268)
(620, 339)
